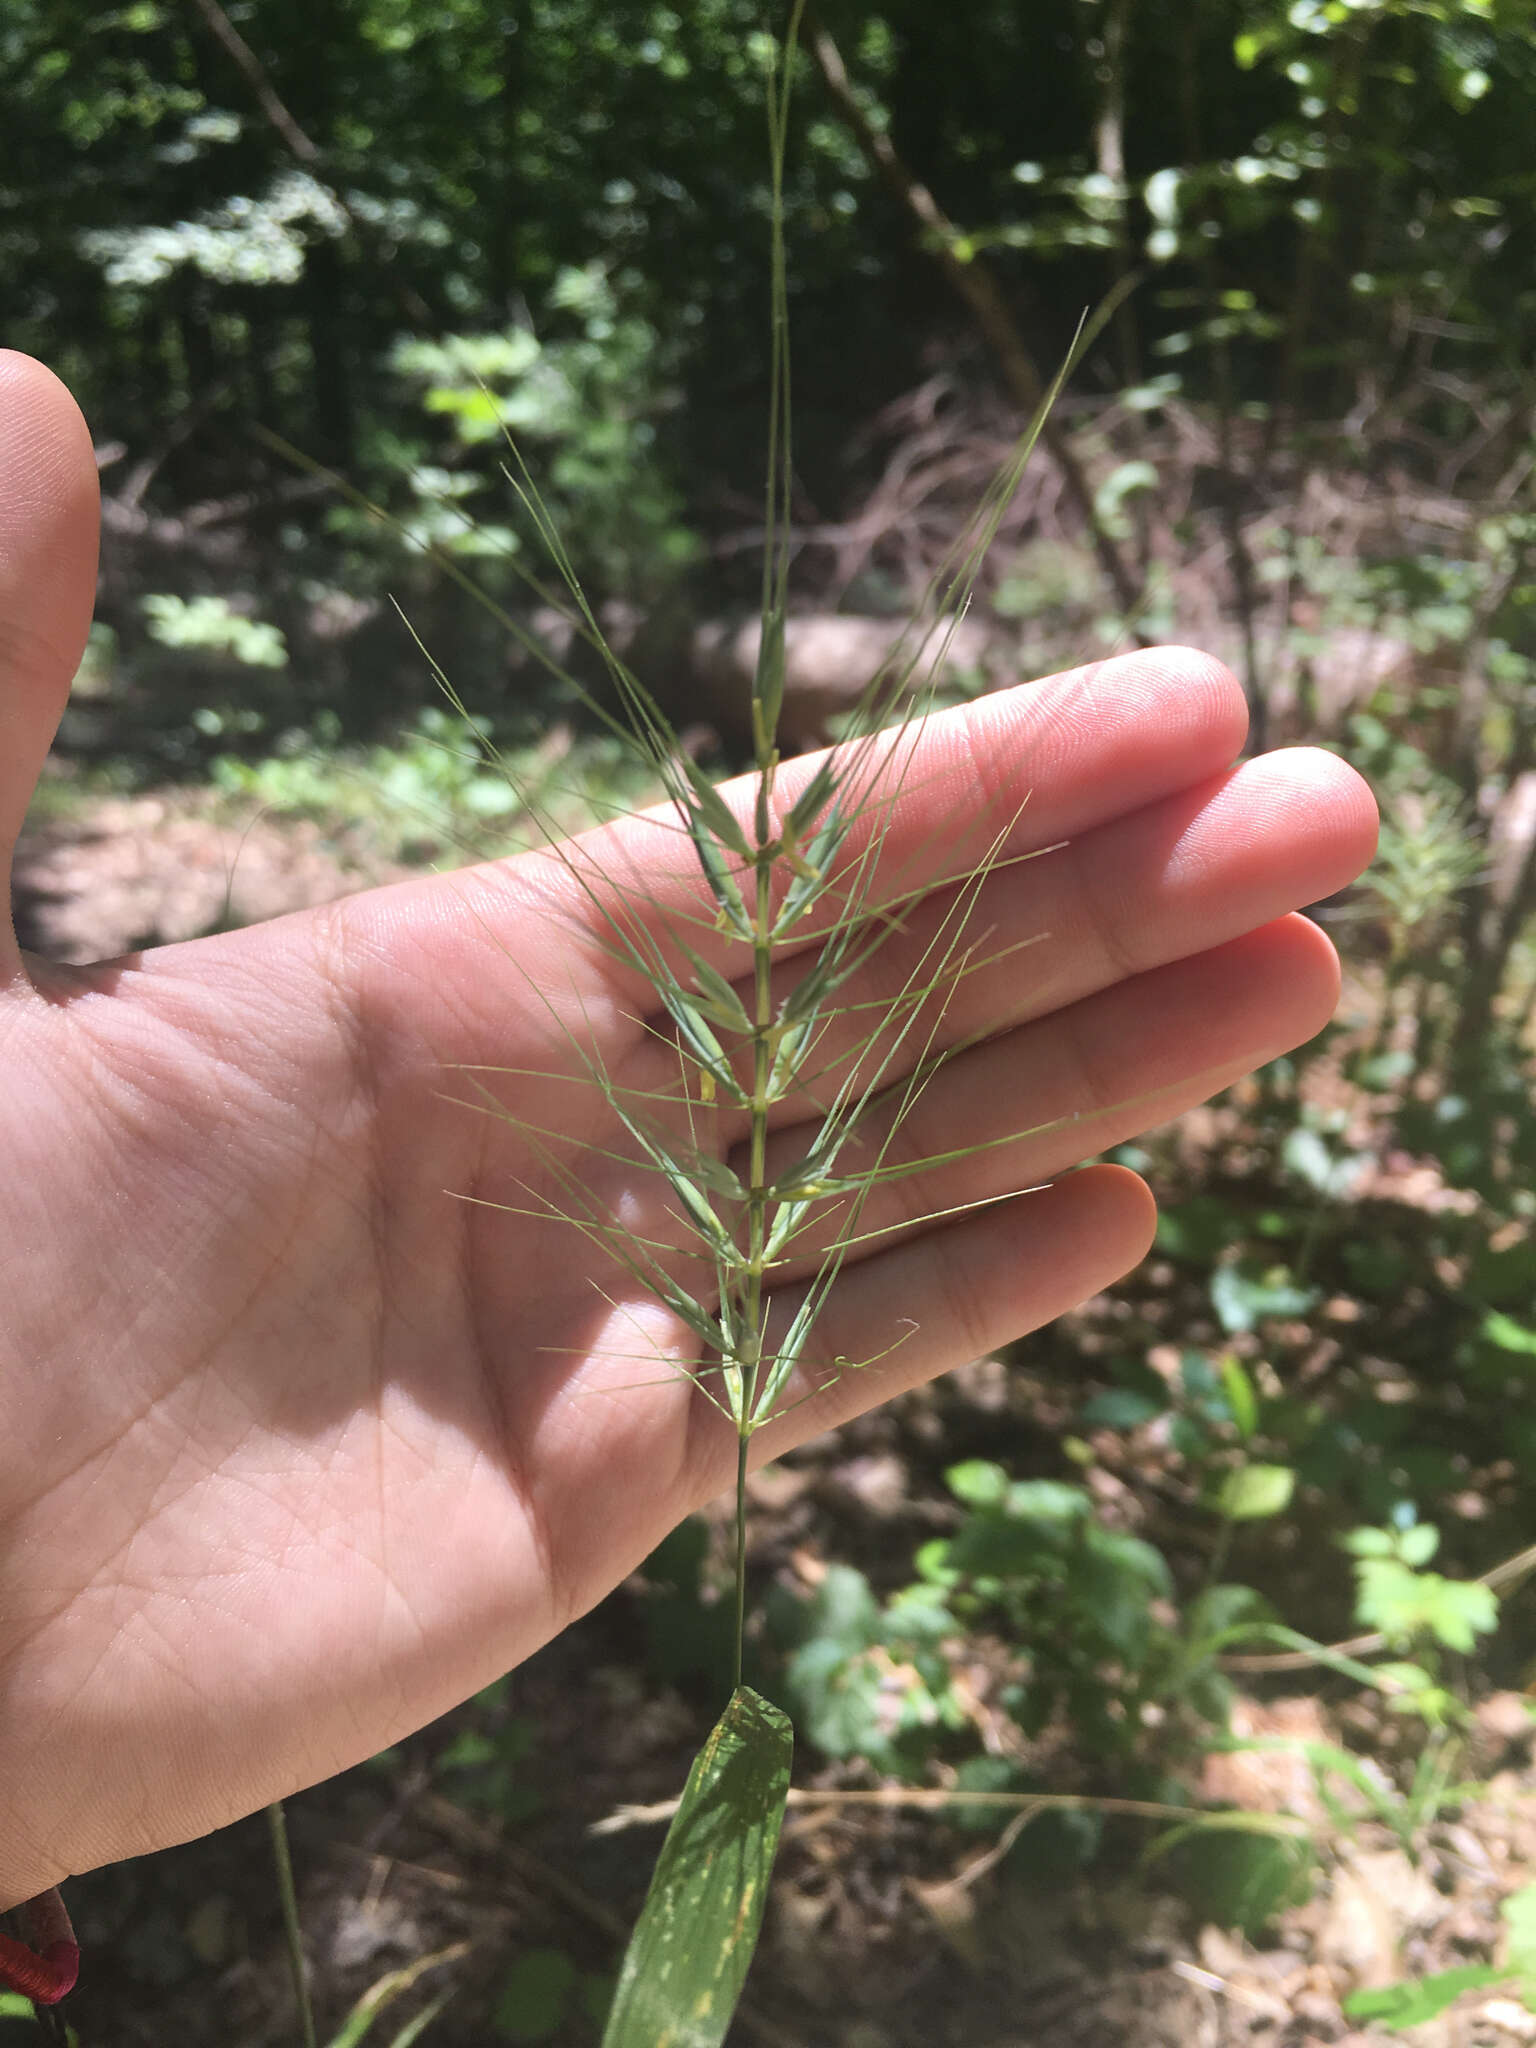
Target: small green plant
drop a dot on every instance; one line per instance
(433, 792)
(1419, 2000)
(586, 398)
(211, 625)
(872, 1679)
(1078, 1603)
(1084, 1620)
(1408, 1605)
(1420, 1615)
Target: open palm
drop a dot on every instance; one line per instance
(315, 1420)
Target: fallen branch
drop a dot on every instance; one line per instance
(929, 1799)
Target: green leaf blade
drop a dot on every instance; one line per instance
(1399, 2006)
(688, 1956)
(1242, 1398)
(1254, 1492)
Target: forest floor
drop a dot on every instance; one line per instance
(467, 1857)
(877, 1936)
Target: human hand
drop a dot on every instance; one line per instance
(300, 1449)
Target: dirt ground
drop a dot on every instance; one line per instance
(888, 1928)
(117, 873)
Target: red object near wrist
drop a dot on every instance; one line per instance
(45, 1966)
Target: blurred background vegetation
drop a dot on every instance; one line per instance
(377, 230)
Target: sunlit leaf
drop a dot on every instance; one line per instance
(1242, 1299)
(1255, 1491)
(688, 1956)
(978, 1482)
(1416, 1546)
(1404, 1604)
(1509, 1335)
(1046, 1500)
(1241, 1398)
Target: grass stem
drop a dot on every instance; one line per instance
(741, 1551)
(277, 1827)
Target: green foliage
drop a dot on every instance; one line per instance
(358, 2026)
(1242, 1398)
(1518, 1912)
(1238, 1879)
(688, 1956)
(1077, 1598)
(586, 181)
(208, 625)
(1081, 1609)
(1243, 1295)
(433, 792)
(1506, 1335)
(1252, 1493)
(1397, 2006)
(584, 406)
(1407, 1604)
(1102, 1639)
(252, 242)
(1329, 1173)
(868, 1678)
(493, 1769)
(1428, 853)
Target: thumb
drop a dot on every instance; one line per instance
(48, 527)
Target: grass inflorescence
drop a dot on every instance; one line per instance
(778, 1125)
(781, 1121)
(752, 985)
